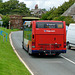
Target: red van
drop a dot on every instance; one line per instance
(44, 37)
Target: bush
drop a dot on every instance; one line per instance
(5, 20)
(67, 19)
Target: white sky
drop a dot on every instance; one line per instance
(42, 3)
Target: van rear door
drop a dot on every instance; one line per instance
(71, 34)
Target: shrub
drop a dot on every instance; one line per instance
(5, 20)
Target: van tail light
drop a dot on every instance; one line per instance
(64, 44)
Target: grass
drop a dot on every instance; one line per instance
(9, 62)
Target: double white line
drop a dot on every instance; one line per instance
(68, 60)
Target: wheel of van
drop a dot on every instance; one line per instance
(67, 43)
(69, 47)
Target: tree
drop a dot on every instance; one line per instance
(67, 19)
(56, 12)
(60, 18)
(14, 7)
(5, 20)
(47, 15)
(1, 1)
(44, 9)
(1, 8)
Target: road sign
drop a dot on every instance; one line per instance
(4, 34)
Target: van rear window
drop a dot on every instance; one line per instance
(49, 25)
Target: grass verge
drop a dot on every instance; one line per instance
(9, 62)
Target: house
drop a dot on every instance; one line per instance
(37, 12)
(70, 12)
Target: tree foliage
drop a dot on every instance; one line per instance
(14, 7)
(46, 15)
(0, 1)
(5, 20)
(67, 19)
(56, 12)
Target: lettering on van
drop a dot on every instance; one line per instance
(49, 30)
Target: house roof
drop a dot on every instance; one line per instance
(70, 11)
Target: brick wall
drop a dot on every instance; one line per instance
(16, 21)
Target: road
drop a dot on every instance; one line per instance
(64, 64)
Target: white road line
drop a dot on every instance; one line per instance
(18, 55)
(68, 60)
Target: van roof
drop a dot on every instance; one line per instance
(72, 23)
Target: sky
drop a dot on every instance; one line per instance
(42, 3)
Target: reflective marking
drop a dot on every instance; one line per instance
(19, 56)
(68, 60)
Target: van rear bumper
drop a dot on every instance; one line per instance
(49, 51)
(72, 44)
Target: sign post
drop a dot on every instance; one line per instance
(1, 22)
(9, 24)
(4, 36)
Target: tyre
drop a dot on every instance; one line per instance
(69, 47)
(67, 43)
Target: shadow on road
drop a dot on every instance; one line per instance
(46, 56)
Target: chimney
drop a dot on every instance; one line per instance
(36, 6)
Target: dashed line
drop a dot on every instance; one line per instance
(18, 55)
(68, 60)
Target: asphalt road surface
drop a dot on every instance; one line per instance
(64, 64)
